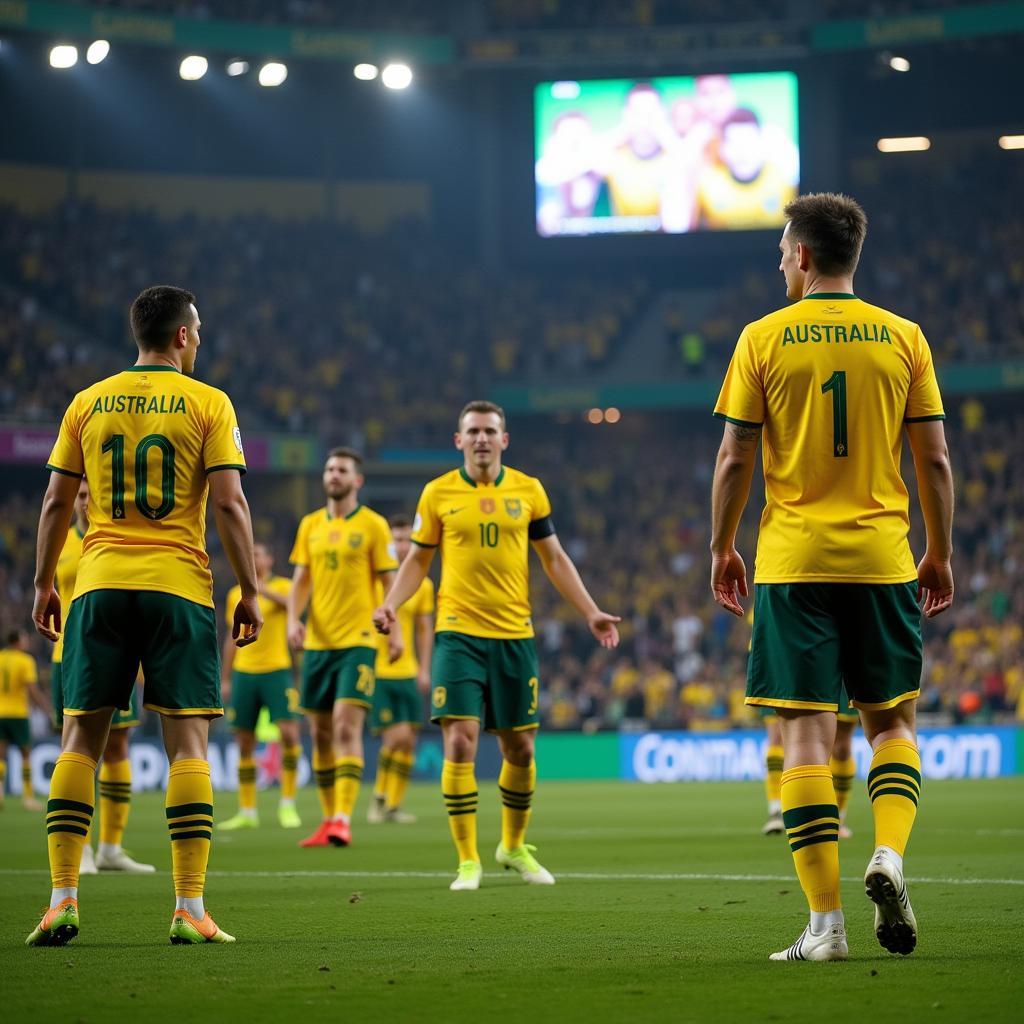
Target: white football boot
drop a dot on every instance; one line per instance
(895, 924)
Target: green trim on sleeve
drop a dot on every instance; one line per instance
(924, 419)
(63, 472)
(420, 544)
(215, 469)
(734, 422)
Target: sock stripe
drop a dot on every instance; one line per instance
(810, 830)
(894, 780)
(459, 796)
(183, 810)
(468, 810)
(115, 799)
(797, 816)
(814, 840)
(912, 797)
(894, 767)
(192, 835)
(69, 805)
(76, 829)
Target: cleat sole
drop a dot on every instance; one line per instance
(894, 933)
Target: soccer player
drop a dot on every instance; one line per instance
(341, 553)
(484, 516)
(152, 443)
(115, 774)
(18, 688)
(830, 385)
(397, 703)
(256, 677)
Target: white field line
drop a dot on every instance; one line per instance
(581, 876)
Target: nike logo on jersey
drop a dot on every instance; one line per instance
(453, 511)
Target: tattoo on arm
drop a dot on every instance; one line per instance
(745, 437)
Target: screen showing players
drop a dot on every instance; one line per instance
(671, 155)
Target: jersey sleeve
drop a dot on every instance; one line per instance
(222, 446)
(426, 527)
(924, 402)
(67, 457)
(229, 605)
(300, 550)
(384, 557)
(741, 400)
(541, 523)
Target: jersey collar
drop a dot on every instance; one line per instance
(349, 516)
(472, 483)
(831, 295)
(158, 368)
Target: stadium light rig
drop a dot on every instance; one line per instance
(899, 63)
(1011, 141)
(366, 72)
(397, 76)
(908, 144)
(97, 52)
(272, 74)
(193, 67)
(234, 68)
(63, 56)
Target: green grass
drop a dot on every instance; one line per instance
(358, 944)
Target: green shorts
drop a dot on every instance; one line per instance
(495, 682)
(346, 675)
(110, 633)
(121, 720)
(15, 731)
(812, 638)
(396, 702)
(251, 691)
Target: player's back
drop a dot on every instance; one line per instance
(145, 439)
(17, 674)
(833, 379)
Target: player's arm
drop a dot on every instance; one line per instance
(275, 597)
(298, 601)
(406, 582)
(559, 568)
(54, 523)
(234, 526)
(424, 650)
(730, 489)
(935, 492)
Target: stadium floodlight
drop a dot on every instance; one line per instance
(236, 67)
(272, 74)
(1011, 141)
(612, 415)
(193, 68)
(366, 72)
(595, 416)
(97, 52)
(397, 76)
(565, 90)
(909, 144)
(899, 63)
(63, 56)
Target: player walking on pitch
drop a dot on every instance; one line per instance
(484, 516)
(341, 553)
(19, 688)
(830, 384)
(152, 443)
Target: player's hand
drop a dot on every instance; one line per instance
(296, 635)
(604, 628)
(934, 586)
(384, 619)
(423, 681)
(247, 622)
(46, 613)
(729, 581)
(396, 646)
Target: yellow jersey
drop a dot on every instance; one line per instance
(726, 202)
(145, 440)
(18, 675)
(344, 557)
(408, 665)
(67, 571)
(484, 532)
(832, 379)
(270, 653)
(635, 183)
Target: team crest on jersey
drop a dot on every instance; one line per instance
(355, 540)
(514, 507)
(237, 435)
(487, 506)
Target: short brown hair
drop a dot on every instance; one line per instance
(399, 521)
(345, 453)
(832, 226)
(480, 405)
(156, 315)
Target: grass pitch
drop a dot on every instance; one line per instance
(667, 904)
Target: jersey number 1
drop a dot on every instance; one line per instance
(115, 445)
(837, 385)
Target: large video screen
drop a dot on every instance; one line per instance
(671, 155)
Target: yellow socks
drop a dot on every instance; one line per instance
(811, 818)
(68, 816)
(189, 810)
(348, 775)
(844, 771)
(323, 772)
(773, 762)
(383, 780)
(894, 785)
(115, 800)
(289, 771)
(398, 779)
(458, 786)
(26, 779)
(247, 784)
(516, 786)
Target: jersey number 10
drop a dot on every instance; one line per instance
(837, 385)
(115, 445)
